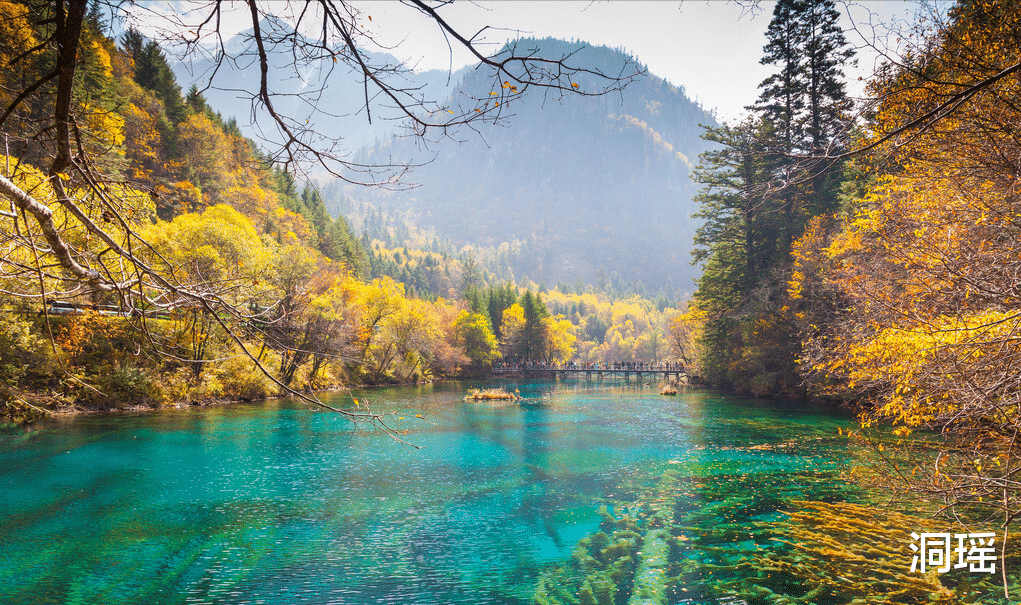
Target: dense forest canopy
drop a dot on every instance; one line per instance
(873, 260)
(154, 254)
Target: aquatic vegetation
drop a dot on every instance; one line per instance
(601, 570)
(751, 539)
(624, 562)
(491, 395)
(840, 552)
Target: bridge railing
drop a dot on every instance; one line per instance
(645, 369)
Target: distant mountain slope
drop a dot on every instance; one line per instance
(581, 187)
(331, 96)
(571, 190)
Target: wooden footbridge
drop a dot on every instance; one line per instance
(564, 372)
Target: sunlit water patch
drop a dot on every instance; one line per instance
(274, 503)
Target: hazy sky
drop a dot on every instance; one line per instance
(711, 48)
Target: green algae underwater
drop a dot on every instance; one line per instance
(581, 493)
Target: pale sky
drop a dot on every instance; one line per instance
(710, 47)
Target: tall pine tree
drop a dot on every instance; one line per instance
(535, 334)
(806, 100)
(759, 191)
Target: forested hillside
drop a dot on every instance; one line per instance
(184, 264)
(580, 191)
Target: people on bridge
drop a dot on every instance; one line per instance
(513, 365)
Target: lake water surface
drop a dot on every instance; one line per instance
(275, 503)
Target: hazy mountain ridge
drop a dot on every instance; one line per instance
(591, 185)
(580, 187)
(329, 95)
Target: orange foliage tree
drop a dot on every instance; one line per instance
(101, 140)
(913, 302)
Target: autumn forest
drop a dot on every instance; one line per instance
(858, 252)
(257, 287)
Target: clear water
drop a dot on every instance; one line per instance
(273, 503)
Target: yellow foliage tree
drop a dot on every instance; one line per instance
(217, 252)
(560, 339)
(205, 151)
(474, 337)
(512, 327)
(683, 335)
(913, 303)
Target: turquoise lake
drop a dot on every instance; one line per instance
(275, 503)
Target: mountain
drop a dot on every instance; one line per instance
(328, 95)
(563, 189)
(570, 190)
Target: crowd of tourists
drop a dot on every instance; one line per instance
(633, 366)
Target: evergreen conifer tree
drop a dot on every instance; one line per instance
(152, 71)
(499, 298)
(807, 103)
(758, 194)
(535, 328)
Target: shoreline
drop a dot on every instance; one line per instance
(20, 400)
(32, 410)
